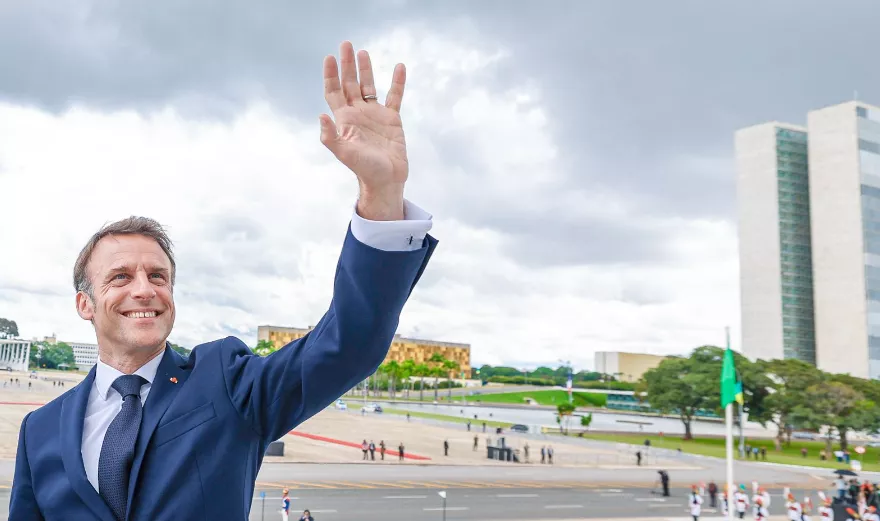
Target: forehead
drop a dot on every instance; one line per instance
(115, 251)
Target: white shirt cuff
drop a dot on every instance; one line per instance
(405, 235)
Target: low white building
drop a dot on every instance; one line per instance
(14, 354)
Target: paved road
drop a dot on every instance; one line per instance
(478, 503)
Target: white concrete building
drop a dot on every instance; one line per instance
(844, 149)
(15, 354)
(86, 355)
(774, 242)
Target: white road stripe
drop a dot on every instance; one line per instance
(516, 495)
(404, 497)
(563, 506)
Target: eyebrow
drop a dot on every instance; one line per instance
(125, 269)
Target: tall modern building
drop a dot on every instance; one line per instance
(776, 275)
(809, 231)
(844, 150)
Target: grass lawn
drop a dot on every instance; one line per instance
(548, 397)
(443, 417)
(715, 447)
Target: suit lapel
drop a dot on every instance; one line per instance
(168, 381)
(73, 411)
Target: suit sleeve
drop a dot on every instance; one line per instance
(22, 501)
(276, 393)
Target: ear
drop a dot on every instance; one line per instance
(84, 306)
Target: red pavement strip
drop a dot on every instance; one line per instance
(353, 444)
(294, 433)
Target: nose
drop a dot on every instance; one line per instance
(141, 289)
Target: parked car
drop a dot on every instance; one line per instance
(341, 405)
(518, 427)
(373, 407)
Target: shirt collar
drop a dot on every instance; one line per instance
(106, 375)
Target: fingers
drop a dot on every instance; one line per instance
(395, 93)
(329, 134)
(350, 86)
(365, 71)
(332, 88)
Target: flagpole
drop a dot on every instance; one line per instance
(728, 416)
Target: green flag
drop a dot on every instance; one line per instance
(731, 388)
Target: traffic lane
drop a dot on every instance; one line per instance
(492, 504)
(706, 470)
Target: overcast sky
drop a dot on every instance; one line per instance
(576, 156)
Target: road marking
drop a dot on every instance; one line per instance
(387, 484)
(563, 506)
(447, 508)
(306, 484)
(610, 490)
(349, 484)
(404, 497)
(516, 495)
(654, 499)
(323, 511)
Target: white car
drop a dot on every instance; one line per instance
(341, 405)
(373, 407)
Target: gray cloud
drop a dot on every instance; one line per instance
(643, 97)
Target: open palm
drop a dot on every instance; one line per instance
(366, 136)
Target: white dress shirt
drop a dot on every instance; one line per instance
(105, 403)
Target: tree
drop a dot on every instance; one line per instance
(50, 356)
(436, 370)
(564, 410)
(8, 328)
(182, 351)
(451, 367)
(787, 383)
(407, 370)
(265, 348)
(830, 405)
(422, 370)
(684, 386)
(392, 369)
(586, 420)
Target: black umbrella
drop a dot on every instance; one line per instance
(845, 472)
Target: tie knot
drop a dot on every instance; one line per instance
(129, 384)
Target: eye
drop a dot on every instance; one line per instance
(118, 275)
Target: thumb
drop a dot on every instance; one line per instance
(329, 135)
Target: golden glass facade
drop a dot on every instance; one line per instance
(401, 349)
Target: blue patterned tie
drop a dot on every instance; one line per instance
(117, 451)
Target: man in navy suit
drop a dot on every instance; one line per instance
(149, 435)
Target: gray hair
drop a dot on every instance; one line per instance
(130, 226)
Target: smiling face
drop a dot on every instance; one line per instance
(132, 307)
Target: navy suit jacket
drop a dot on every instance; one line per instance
(202, 439)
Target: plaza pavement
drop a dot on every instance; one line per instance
(328, 436)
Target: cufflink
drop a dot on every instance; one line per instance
(173, 379)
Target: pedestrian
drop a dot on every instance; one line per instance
(372, 450)
(550, 455)
(307, 516)
(741, 501)
(446, 447)
(713, 494)
(476, 442)
(543, 454)
(285, 504)
(469, 426)
(695, 501)
(382, 449)
(664, 482)
(400, 451)
(639, 458)
(407, 416)
(364, 449)
(526, 451)
(484, 426)
(764, 453)
(761, 511)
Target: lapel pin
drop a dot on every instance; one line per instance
(173, 379)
